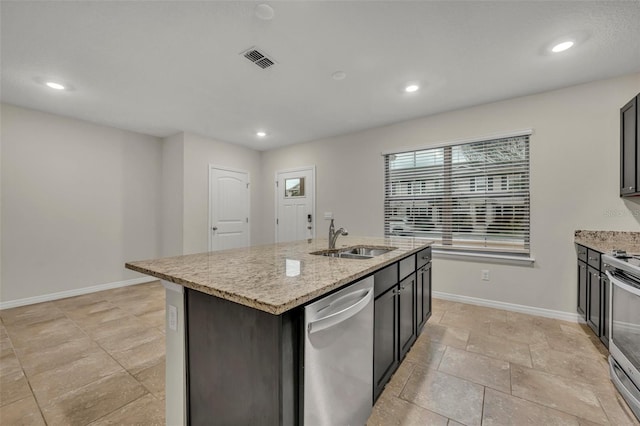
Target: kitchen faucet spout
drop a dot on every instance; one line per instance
(333, 235)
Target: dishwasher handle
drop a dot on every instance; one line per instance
(338, 317)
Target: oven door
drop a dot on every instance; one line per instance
(624, 324)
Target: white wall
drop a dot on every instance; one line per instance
(172, 195)
(199, 152)
(78, 200)
(574, 183)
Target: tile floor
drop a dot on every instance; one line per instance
(99, 359)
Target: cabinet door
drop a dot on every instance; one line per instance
(593, 300)
(385, 339)
(628, 148)
(582, 289)
(423, 298)
(407, 315)
(604, 308)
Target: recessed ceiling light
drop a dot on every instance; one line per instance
(339, 75)
(411, 88)
(561, 47)
(54, 85)
(261, 134)
(264, 11)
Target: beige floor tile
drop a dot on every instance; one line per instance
(30, 315)
(466, 321)
(497, 347)
(95, 400)
(9, 363)
(13, 387)
(116, 329)
(144, 411)
(615, 407)
(501, 409)
(446, 395)
(392, 411)
(77, 313)
(483, 312)
(425, 352)
(78, 301)
(399, 379)
(135, 337)
(522, 332)
(73, 375)
(153, 377)
(454, 423)
(44, 334)
(141, 354)
(36, 360)
(141, 306)
(23, 412)
(574, 343)
(93, 322)
(570, 365)
(154, 318)
(477, 368)
(445, 335)
(556, 392)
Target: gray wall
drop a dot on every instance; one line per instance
(78, 200)
(574, 183)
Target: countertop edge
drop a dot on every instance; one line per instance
(277, 309)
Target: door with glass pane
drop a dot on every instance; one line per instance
(295, 204)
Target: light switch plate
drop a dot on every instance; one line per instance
(173, 317)
(328, 215)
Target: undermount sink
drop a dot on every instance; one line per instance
(358, 252)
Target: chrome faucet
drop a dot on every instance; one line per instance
(333, 235)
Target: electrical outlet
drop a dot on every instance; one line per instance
(328, 215)
(484, 275)
(173, 317)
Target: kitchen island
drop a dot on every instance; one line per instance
(233, 330)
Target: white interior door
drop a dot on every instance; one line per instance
(228, 209)
(295, 204)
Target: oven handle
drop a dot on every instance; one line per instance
(622, 284)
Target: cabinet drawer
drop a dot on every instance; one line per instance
(407, 266)
(385, 279)
(593, 259)
(582, 252)
(424, 257)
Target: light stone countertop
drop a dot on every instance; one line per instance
(607, 241)
(277, 277)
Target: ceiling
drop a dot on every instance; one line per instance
(161, 67)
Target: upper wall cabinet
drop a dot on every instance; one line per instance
(630, 148)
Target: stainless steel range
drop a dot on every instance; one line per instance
(624, 325)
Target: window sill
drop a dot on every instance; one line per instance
(509, 259)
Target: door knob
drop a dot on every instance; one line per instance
(214, 228)
(309, 227)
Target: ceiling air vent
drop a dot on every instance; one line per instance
(259, 58)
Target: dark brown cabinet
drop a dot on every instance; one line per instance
(407, 325)
(630, 149)
(423, 305)
(385, 337)
(593, 292)
(401, 308)
(582, 289)
(604, 308)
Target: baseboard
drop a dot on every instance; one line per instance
(70, 293)
(523, 309)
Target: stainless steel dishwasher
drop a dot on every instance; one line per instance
(338, 357)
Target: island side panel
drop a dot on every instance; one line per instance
(241, 364)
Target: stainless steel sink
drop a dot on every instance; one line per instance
(367, 251)
(357, 252)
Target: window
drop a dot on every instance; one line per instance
(468, 196)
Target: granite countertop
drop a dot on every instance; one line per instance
(607, 241)
(277, 277)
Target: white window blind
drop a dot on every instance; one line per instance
(468, 196)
